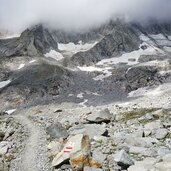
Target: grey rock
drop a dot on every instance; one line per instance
(163, 166)
(98, 156)
(57, 131)
(101, 116)
(140, 141)
(163, 151)
(65, 166)
(147, 152)
(153, 126)
(161, 133)
(145, 165)
(132, 59)
(91, 130)
(167, 158)
(4, 146)
(123, 159)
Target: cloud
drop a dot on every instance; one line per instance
(16, 15)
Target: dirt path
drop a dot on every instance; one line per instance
(34, 156)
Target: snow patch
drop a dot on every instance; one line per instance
(72, 47)
(151, 50)
(83, 103)
(55, 55)
(10, 36)
(4, 83)
(80, 95)
(32, 61)
(21, 66)
(9, 112)
(90, 69)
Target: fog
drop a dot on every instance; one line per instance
(78, 15)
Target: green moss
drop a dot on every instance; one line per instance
(137, 113)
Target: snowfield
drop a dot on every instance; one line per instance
(55, 55)
(4, 83)
(71, 47)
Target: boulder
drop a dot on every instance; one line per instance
(161, 133)
(141, 76)
(163, 151)
(87, 168)
(91, 130)
(54, 148)
(98, 157)
(140, 141)
(57, 131)
(100, 116)
(3, 166)
(77, 149)
(4, 146)
(123, 159)
(142, 151)
(153, 125)
(163, 166)
(145, 165)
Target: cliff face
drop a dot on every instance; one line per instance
(32, 42)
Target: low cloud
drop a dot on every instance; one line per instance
(78, 15)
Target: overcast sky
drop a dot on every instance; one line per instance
(16, 15)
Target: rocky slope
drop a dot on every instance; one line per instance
(98, 100)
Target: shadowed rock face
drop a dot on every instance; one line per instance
(154, 27)
(36, 81)
(142, 76)
(120, 39)
(33, 42)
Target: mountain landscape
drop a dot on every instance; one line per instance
(92, 100)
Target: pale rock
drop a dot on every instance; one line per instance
(145, 165)
(158, 113)
(153, 125)
(91, 130)
(167, 158)
(163, 166)
(78, 145)
(100, 116)
(140, 141)
(98, 156)
(163, 151)
(142, 151)
(147, 132)
(54, 148)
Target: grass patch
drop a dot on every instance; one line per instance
(136, 113)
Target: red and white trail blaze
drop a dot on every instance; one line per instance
(67, 149)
